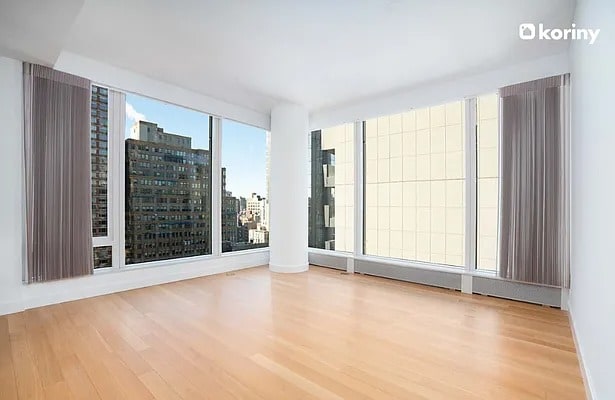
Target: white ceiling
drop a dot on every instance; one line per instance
(255, 53)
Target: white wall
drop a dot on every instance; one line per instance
(139, 84)
(14, 295)
(440, 92)
(11, 178)
(592, 295)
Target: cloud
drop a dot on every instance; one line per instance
(133, 114)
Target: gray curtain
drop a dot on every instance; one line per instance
(57, 174)
(534, 157)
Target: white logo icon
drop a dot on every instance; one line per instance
(527, 31)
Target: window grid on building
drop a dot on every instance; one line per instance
(167, 195)
(414, 185)
(99, 161)
(487, 145)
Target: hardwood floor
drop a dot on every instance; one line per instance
(318, 335)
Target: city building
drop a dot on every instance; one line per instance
(322, 197)
(168, 198)
(250, 222)
(331, 188)
(230, 215)
(99, 153)
(151, 132)
(258, 236)
(257, 206)
(243, 203)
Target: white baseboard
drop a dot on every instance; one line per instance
(565, 302)
(587, 382)
(42, 294)
(289, 269)
(10, 307)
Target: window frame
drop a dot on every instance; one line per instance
(220, 138)
(116, 179)
(116, 192)
(470, 161)
(357, 164)
(471, 184)
(122, 197)
(474, 267)
(112, 191)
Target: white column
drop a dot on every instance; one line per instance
(288, 206)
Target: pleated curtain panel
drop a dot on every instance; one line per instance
(534, 228)
(57, 174)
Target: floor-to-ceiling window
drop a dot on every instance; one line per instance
(167, 181)
(99, 153)
(155, 173)
(162, 187)
(331, 190)
(414, 185)
(245, 187)
(487, 141)
(99, 159)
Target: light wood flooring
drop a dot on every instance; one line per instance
(318, 335)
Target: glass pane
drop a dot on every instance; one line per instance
(168, 181)
(488, 181)
(331, 193)
(102, 257)
(414, 185)
(99, 147)
(245, 187)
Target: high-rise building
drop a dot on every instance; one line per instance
(168, 196)
(243, 203)
(258, 207)
(322, 196)
(243, 235)
(258, 236)
(331, 202)
(229, 216)
(150, 132)
(99, 154)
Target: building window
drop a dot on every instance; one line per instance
(99, 161)
(487, 143)
(331, 192)
(167, 181)
(245, 187)
(414, 185)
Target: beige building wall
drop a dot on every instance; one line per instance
(341, 139)
(414, 184)
(414, 192)
(488, 190)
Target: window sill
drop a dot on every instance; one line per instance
(406, 263)
(243, 252)
(176, 261)
(316, 250)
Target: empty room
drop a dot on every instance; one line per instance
(268, 199)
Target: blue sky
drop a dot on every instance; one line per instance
(243, 146)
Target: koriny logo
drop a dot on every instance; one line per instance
(528, 32)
